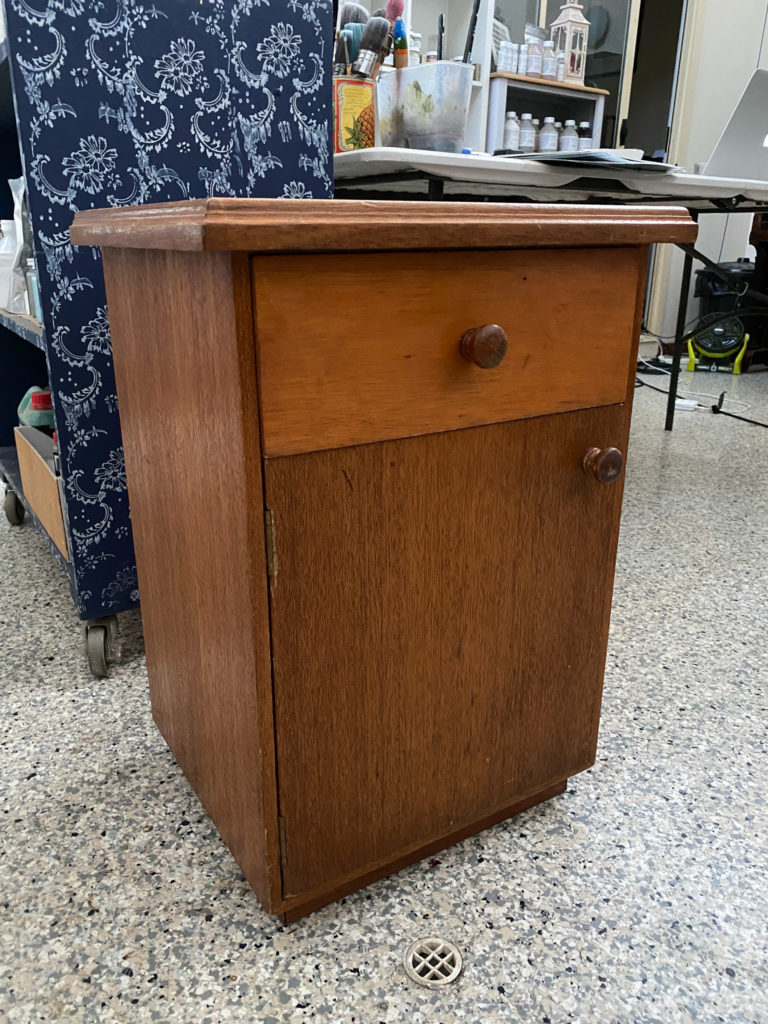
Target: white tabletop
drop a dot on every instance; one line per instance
(483, 175)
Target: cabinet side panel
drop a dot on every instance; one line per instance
(183, 348)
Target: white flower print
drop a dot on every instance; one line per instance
(95, 334)
(296, 190)
(280, 49)
(88, 166)
(180, 67)
(110, 475)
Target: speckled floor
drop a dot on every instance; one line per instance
(638, 896)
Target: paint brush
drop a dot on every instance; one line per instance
(354, 32)
(400, 44)
(440, 34)
(341, 60)
(394, 11)
(351, 12)
(373, 42)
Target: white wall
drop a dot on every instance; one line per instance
(721, 49)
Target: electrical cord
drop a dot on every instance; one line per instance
(717, 407)
(696, 394)
(710, 320)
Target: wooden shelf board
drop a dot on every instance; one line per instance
(27, 327)
(550, 84)
(10, 471)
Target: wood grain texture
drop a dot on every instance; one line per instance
(40, 485)
(349, 359)
(298, 906)
(300, 225)
(183, 347)
(440, 618)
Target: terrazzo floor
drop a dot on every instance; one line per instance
(638, 896)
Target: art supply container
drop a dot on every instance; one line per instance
(425, 107)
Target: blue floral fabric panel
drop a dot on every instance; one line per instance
(126, 102)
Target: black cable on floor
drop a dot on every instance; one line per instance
(717, 409)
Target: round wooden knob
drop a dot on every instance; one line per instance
(605, 464)
(484, 346)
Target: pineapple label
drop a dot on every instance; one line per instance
(354, 119)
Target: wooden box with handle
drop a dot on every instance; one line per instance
(374, 456)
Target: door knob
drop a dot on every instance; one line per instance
(605, 464)
(484, 346)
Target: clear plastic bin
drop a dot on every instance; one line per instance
(425, 107)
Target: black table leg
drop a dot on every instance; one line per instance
(677, 354)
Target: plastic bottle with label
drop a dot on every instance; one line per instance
(522, 60)
(527, 134)
(585, 135)
(537, 129)
(511, 131)
(569, 138)
(549, 61)
(548, 136)
(561, 66)
(534, 59)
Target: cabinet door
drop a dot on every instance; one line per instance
(440, 609)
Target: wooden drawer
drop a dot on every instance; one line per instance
(357, 348)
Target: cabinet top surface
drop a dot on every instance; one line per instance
(550, 83)
(326, 225)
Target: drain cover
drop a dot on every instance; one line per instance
(433, 962)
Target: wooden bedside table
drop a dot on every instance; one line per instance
(374, 457)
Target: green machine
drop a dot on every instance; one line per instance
(718, 345)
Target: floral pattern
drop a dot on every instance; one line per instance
(181, 66)
(124, 102)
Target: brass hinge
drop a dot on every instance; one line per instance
(281, 830)
(269, 523)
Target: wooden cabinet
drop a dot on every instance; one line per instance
(376, 576)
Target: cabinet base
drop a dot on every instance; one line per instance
(296, 907)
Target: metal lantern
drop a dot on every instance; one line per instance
(570, 31)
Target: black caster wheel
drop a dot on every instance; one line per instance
(14, 510)
(101, 645)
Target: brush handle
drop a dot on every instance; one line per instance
(440, 34)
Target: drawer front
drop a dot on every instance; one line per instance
(366, 347)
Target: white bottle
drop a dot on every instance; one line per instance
(548, 138)
(569, 138)
(527, 134)
(561, 66)
(549, 61)
(534, 59)
(511, 131)
(522, 60)
(414, 51)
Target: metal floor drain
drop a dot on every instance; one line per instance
(433, 962)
